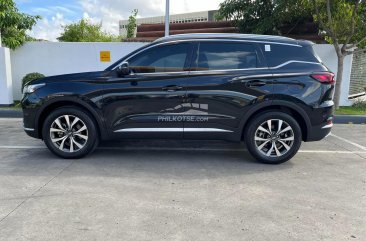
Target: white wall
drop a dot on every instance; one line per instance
(329, 57)
(50, 58)
(6, 95)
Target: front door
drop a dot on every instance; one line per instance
(144, 104)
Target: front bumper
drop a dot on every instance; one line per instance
(31, 132)
(29, 125)
(30, 109)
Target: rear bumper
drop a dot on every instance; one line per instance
(317, 133)
(321, 120)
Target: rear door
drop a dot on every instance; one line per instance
(226, 79)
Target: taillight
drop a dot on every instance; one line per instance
(325, 77)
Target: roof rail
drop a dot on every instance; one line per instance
(235, 36)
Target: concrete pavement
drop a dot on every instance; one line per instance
(182, 190)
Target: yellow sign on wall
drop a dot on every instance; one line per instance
(105, 56)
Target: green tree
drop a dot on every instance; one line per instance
(265, 16)
(131, 26)
(14, 24)
(344, 24)
(85, 31)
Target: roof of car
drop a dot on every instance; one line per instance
(249, 37)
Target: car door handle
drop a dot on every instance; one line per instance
(172, 88)
(256, 83)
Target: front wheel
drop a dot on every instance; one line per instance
(70, 133)
(273, 137)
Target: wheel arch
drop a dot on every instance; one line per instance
(284, 106)
(67, 102)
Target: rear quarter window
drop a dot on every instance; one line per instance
(279, 54)
(225, 55)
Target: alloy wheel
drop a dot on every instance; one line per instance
(69, 133)
(274, 138)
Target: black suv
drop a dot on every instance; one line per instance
(271, 92)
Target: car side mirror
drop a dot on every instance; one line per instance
(123, 69)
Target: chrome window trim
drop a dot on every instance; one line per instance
(214, 71)
(293, 61)
(228, 70)
(262, 68)
(162, 73)
(199, 40)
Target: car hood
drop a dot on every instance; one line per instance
(72, 77)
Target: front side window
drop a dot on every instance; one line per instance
(167, 58)
(221, 56)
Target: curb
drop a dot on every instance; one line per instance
(338, 119)
(9, 113)
(349, 119)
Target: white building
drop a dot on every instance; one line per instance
(84, 57)
(204, 16)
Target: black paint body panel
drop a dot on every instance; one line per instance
(190, 104)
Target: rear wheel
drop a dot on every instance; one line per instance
(70, 133)
(273, 137)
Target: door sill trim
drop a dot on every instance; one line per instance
(172, 130)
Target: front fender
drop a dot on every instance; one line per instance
(56, 102)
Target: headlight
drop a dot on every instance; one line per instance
(28, 89)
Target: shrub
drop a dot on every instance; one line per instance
(29, 77)
(360, 104)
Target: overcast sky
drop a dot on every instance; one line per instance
(56, 13)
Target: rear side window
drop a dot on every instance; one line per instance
(221, 56)
(277, 54)
(167, 58)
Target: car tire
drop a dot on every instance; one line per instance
(70, 133)
(273, 137)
